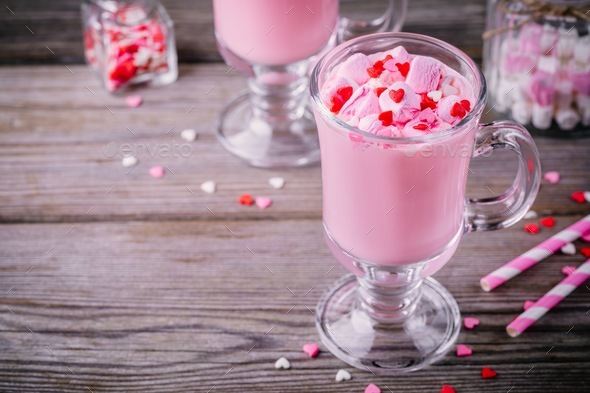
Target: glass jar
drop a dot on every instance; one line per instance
(537, 64)
(129, 42)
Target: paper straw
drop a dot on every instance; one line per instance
(549, 300)
(535, 255)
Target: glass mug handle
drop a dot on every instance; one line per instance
(506, 209)
(391, 20)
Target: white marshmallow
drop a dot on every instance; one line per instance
(548, 64)
(567, 118)
(522, 111)
(548, 39)
(582, 50)
(506, 94)
(542, 116)
(566, 42)
(564, 96)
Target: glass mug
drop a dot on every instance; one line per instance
(394, 211)
(273, 43)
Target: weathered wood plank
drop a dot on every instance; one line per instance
(56, 162)
(185, 306)
(457, 22)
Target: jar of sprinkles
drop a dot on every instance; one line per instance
(129, 42)
(537, 64)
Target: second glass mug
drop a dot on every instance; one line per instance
(394, 211)
(273, 43)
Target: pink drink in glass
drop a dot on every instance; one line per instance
(275, 32)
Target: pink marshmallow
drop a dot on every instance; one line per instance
(331, 87)
(424, 74)
(516, 62)
(355, 67)
(581, 82)
(363, 102)
(406, 109)
(530, 38)
(443, 110)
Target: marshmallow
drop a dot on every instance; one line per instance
(548, 64)
(355, 67)
(372, 124)
(582, 50)
(443, 109)
(404, 110)
(362, 103)
(564, 93)
(566, 42)
(522, 112)
(542, 116)
(548, 39)
(567, 118)
(530, 38)
(424, 74)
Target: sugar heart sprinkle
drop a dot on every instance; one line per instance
(530, 215)
(209, 187)
(386, 118)
(380, 91)
(464, 350)
(568, 270)
(263, 202)
(403, 68)
(129, 161)
(397, 95)
(578, 196)
(189, 135)
(533, 229)
(549, 222)
(246, 199)
(552, 177)
(569, 249)
(343, 375)
(585, 251)
(276, 182)
(470, 322)
(487, 373)
(447, 389)
(157, 171)
(311, 349)
(345, 93)
(133, 101)
(372, 388)
(283, 364)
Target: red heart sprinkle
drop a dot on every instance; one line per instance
(386, 118)
(421, 126)
(380, 91)
(337, 104)
(578, 196)
(124, 71)
(403, 68)
(427, 104)
(447, 389)
(246, 199)
(387, 58)
(376, 70)
(466, 104)
(585, 251)
(457, 110)
(549, 222)
(397, 95)
(487, 373)
(533, 229)
(345, 93)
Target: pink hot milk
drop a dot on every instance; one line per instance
(275, 32)
(387, 203)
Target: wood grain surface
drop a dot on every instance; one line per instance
(113, 281)
(28, 32)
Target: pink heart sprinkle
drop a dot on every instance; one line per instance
(464, 350)
(552, 177)
(157, 171)
(311, 349)
(372, 388)
(527, 304)
(470, 322)
(133, 101)
(568, 270)
(263, 202)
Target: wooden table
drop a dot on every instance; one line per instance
(113, 281)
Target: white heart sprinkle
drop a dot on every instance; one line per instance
(568, 249)
(531, 214)
(189, 135)
(587, 196)
(209, 187)
(129, 161)
(343, 375)
(435, 95)
(282, 363)
(276, 182)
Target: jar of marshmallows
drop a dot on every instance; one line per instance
(537, 64)
(129, 42)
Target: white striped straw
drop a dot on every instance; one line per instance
(549, 300)
(535, 255)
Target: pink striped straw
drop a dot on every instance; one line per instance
(535, 255)
(549, 300)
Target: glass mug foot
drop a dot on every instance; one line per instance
(418, 340)
(286, 143)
